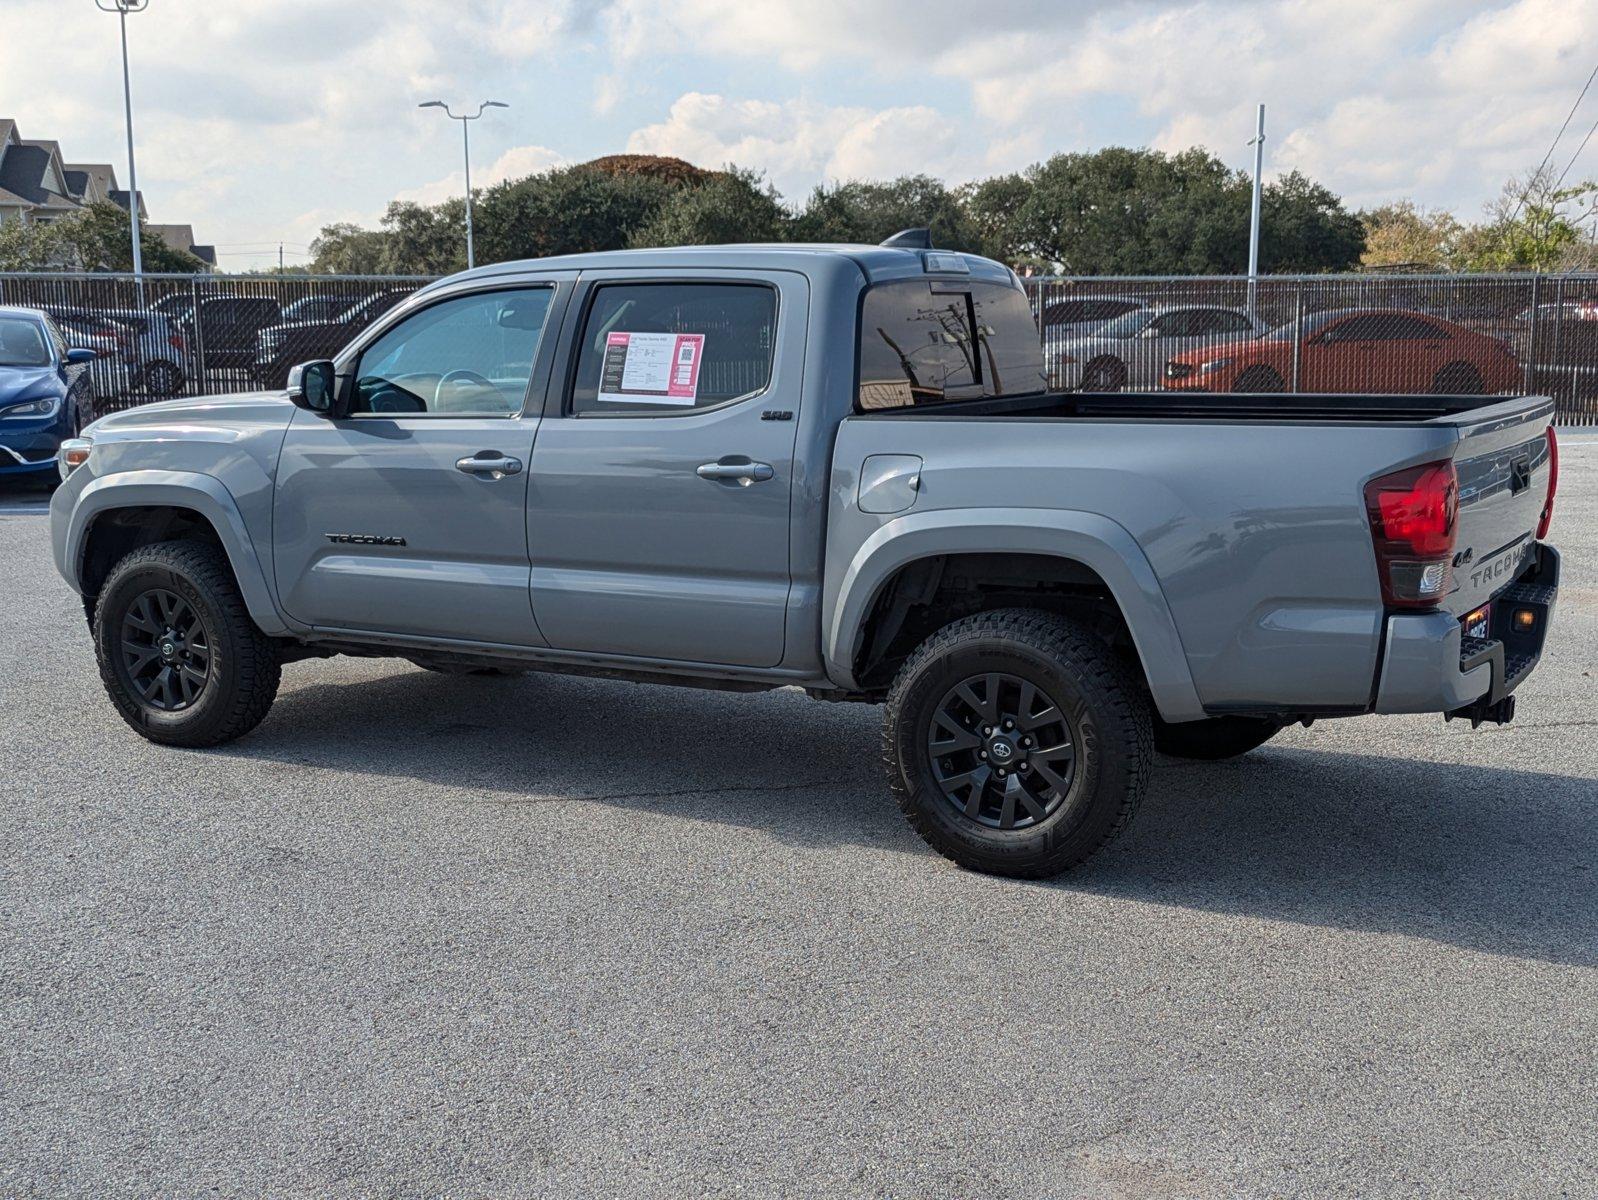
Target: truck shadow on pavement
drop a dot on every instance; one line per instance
(1485, 858)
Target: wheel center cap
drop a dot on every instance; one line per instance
(1002, 751)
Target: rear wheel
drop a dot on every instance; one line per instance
(1016, 743)
(1260, 379)
(1105, 374)
(178, 653)
(1458, 379)
(1214, 738)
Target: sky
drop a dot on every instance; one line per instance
(259, 121)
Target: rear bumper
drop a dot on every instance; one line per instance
(1429, 666)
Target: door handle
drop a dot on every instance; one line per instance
(490, 463)
(740, 471)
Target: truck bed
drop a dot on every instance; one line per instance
(1250, 510)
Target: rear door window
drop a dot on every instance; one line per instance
(924, 342)
(663, 348)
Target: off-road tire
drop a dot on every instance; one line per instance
(1213, 738)
(244, 672)
(1104, 701)
(1260, 379)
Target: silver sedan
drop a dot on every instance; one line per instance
(1131, 351)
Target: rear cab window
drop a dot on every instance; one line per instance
(926, 341)
(665, 348)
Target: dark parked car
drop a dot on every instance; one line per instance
(227, 326)
(281, 346)
(45, 393)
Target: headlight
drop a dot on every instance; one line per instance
(44, 407)
(1214, 364)
(74, 452)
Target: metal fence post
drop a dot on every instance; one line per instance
(199, 331)
(1531, 352)
(1554, 360)
(1298, 328)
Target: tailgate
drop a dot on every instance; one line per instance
(1504, 466)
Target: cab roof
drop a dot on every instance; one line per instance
(874, 263)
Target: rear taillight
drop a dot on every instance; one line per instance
(176, 341)
(1553, 485)
(1414, 516)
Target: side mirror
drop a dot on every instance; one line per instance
(312, 385)
(80, 354)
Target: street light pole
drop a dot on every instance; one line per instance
(1254, 214)
(466, 152)
(122, 8)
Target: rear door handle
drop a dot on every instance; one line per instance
(490, 463)
(736, 470)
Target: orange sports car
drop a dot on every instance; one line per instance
(1353, 350)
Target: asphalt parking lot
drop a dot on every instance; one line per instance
(435, 936)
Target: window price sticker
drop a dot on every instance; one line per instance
(652, 368)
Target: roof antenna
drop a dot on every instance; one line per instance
(911, 239)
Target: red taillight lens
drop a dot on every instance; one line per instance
(176, 341)
(1414, 516)
(1553, 485)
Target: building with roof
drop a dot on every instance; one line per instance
(37, 186)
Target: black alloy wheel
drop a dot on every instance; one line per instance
(1002, 751)
(165, 651)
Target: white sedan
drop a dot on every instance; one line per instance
(1131, 351)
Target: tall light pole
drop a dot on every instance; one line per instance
(466, 151)
(1254, 214)
(122, 8)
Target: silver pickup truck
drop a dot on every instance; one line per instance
(830, 467)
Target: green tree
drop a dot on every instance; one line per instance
(31, 246)
(1403, 233)
(1120, 211)
(94, 238)
(1134, 212)
(728, 207)
(1534, 224)
(1304, 228)
(993, 207)
(347, 249)
(567, 210)
(869, 213)
(424, 239)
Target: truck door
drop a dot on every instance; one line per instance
(657, 508)
(408, 515)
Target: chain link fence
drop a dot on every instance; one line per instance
(1488, 334)
(193, 335)
(1405, 334)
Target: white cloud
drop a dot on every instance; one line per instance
(515, 163)
(799, 143)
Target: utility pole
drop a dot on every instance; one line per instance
(466, 150)
(1254, 213)
(122, 8)
(280, 258)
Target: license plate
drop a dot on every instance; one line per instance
(1479, 622)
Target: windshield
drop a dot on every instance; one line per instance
(22, 343)
(1127, 326)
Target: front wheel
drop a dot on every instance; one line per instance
(1016, 743)
(180, 658)
(1213, 738)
